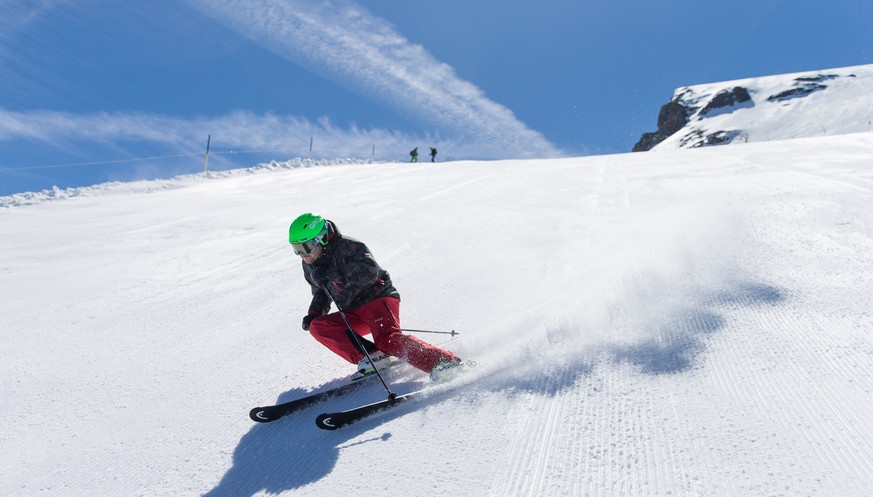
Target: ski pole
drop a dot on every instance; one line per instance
(453, 332)
(391, 395)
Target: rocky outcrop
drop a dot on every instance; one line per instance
(803, 87)
(672, 117)
(697, 138)
(677, 113)
(730, 99)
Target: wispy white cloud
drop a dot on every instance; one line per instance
(286, 136)
(344, 43)
(17, 15)
(338, 40)
(19, 21)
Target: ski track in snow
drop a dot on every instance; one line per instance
(679, 323)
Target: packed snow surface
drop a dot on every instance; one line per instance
(692, 322)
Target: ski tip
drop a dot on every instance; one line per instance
(326, 422)
(261, 415)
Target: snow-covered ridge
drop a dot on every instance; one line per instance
(147, 186)
(787, 106)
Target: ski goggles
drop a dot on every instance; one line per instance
(306, 248)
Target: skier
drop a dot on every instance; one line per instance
(413, 155)
(432, 154)
(343, 269)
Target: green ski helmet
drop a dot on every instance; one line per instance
(307, 232)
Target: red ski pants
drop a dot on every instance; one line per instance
(381, 319)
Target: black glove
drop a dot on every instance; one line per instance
(307, 319)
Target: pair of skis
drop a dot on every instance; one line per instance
(335, 420)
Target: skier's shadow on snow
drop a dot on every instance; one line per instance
(681, 333)
(292, 452)
(681, 340)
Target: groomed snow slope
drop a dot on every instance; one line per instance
(682, 323)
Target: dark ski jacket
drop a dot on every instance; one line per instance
(354, 276)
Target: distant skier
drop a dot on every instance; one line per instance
(342, 268)
(432, 154)
(413, 155)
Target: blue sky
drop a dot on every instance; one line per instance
(94, 91)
